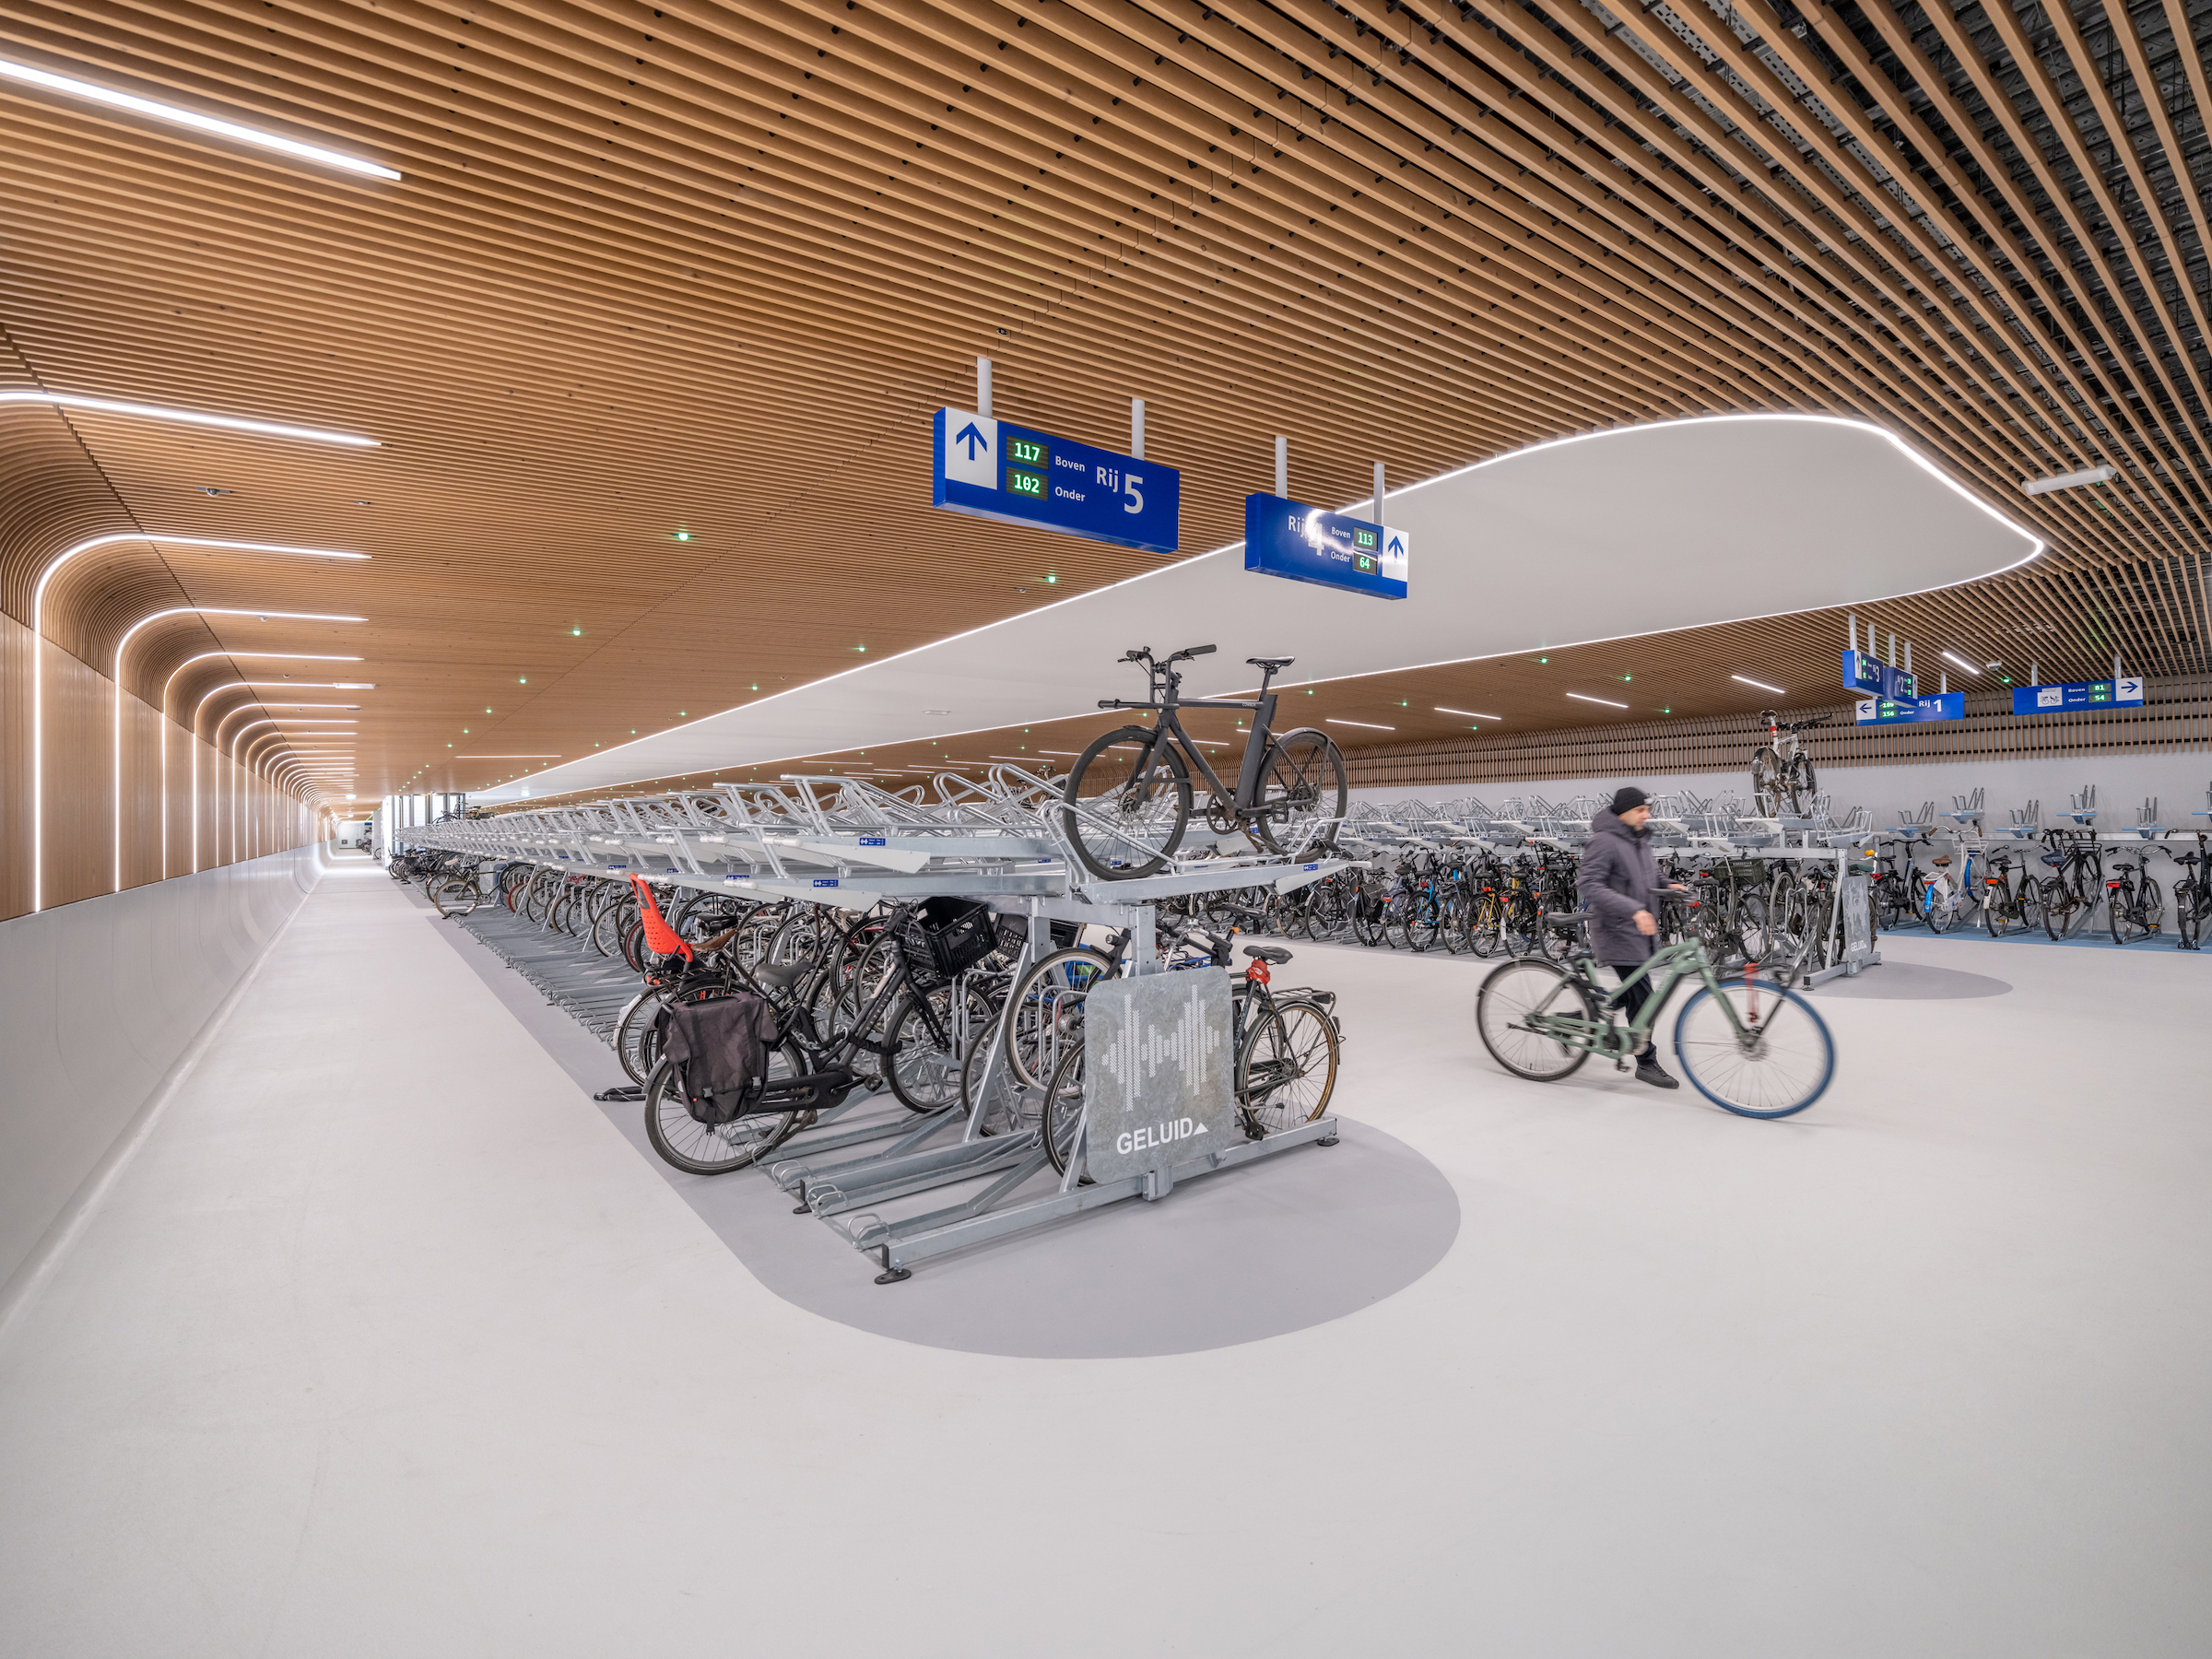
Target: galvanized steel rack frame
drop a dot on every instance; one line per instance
(844, 842)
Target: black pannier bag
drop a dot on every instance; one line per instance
(719, 1048)
(942, 938)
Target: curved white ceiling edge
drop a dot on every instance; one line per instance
(1611, 534)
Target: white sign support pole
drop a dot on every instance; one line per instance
(1137, 428)
(1378, 496)
(1282, 466)
(983, 385)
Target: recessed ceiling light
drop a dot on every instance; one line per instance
(1469, 713)
(1760, 684)
(1371, 725)
(1606, 700)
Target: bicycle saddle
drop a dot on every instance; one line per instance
(1944, 860)
(781, 975)
(1273, 664)
(1274, 953)
(1570, 918)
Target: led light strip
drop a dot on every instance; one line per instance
(65, 400)
(190, 118)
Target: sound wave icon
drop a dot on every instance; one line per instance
(1139, 1052)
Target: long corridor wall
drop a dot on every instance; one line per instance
(99, 1000)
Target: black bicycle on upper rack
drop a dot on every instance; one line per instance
(1128, 797)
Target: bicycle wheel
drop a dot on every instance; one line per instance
(1767, 781)
(923, 1070)
(2150, 908)
(1803, 787)
(1936, 907)
(1779, 1064)
(1047, 1009)
(1062, 1115)
(636, 1043)
(1510, 993)
(1301, 783)
(700, 1148)
(1287, 1069)
(1123, 830)
(456, 896)
(1486, 927)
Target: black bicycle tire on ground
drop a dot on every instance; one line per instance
(1179, 781)
(1272, 1043)
(1492, 1000)
(664, 1075)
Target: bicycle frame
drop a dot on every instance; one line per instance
(1677, 963)
(1169, 730)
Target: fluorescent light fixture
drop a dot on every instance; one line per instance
(1071, 754)
(2073, 480)
(38, 674)
(506, 757)
(190, 118)
(1467, 714)
(1760, 684)
(1954, 657)
(1369, 724)
(1606, 700)
(108, 406)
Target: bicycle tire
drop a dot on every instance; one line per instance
(924, 1075)
(1175, 795)
(635, 1042)
(456, 896)
(1302, 780)
(1510, 993)
(1062, 1115)
(1277, 1087)
(1064, 976)
(700, 1150)
(1767, 773)
(1705, 1043)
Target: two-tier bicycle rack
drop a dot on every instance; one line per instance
(846, 843)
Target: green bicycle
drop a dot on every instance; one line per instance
(1748, 1045)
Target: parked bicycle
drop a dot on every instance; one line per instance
(1782, 773)
(1129, 794)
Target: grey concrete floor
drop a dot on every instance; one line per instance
(387, 1341)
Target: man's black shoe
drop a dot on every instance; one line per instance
(1648, 1071)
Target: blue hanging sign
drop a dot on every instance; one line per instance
(2125, 693)
(1283, 537)
(1870, 676)
(1892, 711)
(995, 469)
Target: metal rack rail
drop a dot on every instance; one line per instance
(843, 843)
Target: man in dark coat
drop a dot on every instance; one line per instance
(1617, 878)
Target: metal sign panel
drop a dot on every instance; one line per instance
(1158, 1084)
(995, 469)
(1287, 539)
(1855, 894)
(2125, 693)
(1867, 674)
(1883, 711)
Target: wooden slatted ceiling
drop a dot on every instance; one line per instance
(707, 267)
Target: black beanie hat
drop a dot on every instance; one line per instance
(1627, 798)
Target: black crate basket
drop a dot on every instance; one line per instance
(942, 938)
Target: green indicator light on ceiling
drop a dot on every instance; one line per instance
(577, 631)
(683, 535)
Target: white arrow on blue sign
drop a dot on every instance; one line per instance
(993, 469)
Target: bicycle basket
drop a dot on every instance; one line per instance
(942, 938)
(1747, 872)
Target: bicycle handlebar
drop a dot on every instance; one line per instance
(1189, 651)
